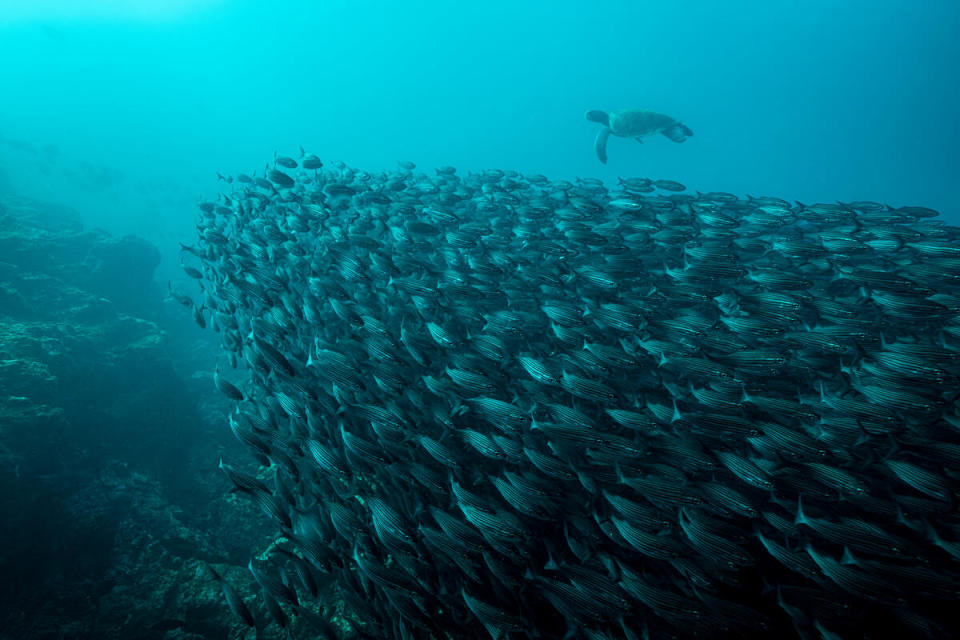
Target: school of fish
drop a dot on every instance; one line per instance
(500, 405)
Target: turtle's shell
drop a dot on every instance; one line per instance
(633, 123)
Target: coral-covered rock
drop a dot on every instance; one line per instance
(107, 466)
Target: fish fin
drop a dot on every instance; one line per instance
(801, 517)
(628, 633)
(863, 438)
(847, 557)
(619, 472)
(894, 448)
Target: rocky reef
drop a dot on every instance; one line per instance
(109, 494)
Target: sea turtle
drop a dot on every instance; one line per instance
(635, 123)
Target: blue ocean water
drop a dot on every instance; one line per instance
(126, 111)
(824, 475)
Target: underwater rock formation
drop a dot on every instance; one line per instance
(105, 463)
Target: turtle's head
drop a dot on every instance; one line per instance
(601, 117)
(678, 132)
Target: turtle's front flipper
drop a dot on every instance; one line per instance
(600, 144)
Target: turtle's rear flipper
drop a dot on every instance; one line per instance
(600, 144)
